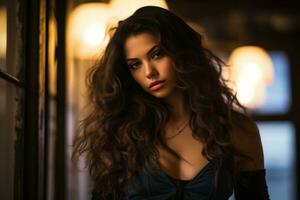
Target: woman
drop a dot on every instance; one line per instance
(163, 124)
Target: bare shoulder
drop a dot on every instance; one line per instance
(246, 139)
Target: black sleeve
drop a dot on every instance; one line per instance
(251, 185)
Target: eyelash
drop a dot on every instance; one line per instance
(157, 53)
(153, 56)
(131, 66)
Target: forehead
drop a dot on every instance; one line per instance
(138, 45)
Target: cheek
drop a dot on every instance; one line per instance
(138, 78)
(169, 68)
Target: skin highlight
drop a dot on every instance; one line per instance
(147, 62)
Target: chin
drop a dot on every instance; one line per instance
(161, 94)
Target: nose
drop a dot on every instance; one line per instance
(150, 70)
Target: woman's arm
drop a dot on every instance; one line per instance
(246, 140)
(251, 183)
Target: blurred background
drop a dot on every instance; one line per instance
(46, 46)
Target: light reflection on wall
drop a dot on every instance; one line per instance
(3, 34)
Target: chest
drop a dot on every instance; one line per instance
(191, 160)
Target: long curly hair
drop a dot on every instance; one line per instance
(120, 134)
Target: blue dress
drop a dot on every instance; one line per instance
(159, 186)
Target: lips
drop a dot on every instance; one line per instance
(156, 85)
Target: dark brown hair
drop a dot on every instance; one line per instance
(125, 123)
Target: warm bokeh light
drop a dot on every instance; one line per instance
(88, 24)
(251, 71)
(122, 9)
(86, 30)
(3, 31)
(93, 35)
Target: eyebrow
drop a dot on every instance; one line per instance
(148, 53)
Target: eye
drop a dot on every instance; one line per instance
(134, 65)
(157, 55)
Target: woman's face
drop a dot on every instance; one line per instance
(152, 69)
